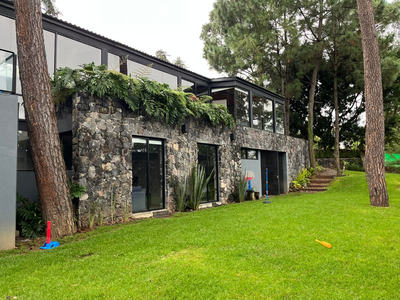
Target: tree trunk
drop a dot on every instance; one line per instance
(336, 105)
(375, 127)
(49, 165)
(311, 114)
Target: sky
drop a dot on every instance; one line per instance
(147, 25)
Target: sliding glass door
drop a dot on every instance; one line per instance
(207, 157)
(147, 174)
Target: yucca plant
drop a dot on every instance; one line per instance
(181, 189)
(197, 186)
(241, 188)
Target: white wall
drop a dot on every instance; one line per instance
(8, 170)
(255, 166)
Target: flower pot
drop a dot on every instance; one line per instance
(257, 195)
(250, 195)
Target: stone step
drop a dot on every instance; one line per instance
(320, 180)
(326, 176)
(314, 189)
(317, 184)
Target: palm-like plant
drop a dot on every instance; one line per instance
(197, 186)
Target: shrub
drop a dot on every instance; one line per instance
(142, 95)
(240, 189)
(181, 193)
(197, 186)
(29, 218)
(302, 179)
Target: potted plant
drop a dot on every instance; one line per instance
(250, 194)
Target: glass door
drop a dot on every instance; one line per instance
(147, 174)
(207, 157)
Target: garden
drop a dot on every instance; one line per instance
(246, 250)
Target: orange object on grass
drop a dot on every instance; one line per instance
(325, 244)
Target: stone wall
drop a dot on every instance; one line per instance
(102, 160)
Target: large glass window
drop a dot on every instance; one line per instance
(7, 61)
(268, 115)
(224, 96)
(138, 70)
(24, 160)
(147, 174)
(279, 114)
(187, 85)
(113, 62)
(258, 111)
(242, 108)
(49, 39)
(72, 54)
(207, 157)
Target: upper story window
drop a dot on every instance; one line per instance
(242, 107)
(263, 113)
(279, 115)
(72, 54)
(188, 86)
(136, 69)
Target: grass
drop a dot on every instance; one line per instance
(241, 251)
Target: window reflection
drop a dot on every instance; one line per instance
(279, 118)
(226, 97)
(72, 54)
(138, 70)
(268, 115)
(113, 62)
(258, 105)
(242, 108)
(49, 39)
(188, 86)
(7, 60)
(24, 161)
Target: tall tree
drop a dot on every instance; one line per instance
(179, 62)
(49, 165)
(163, 55)
(375, 126)
(256, 40)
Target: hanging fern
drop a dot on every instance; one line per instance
(141, 94)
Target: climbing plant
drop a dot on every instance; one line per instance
(142, 95)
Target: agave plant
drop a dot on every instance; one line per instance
(181, 193)
(197, 186)
(241, 188)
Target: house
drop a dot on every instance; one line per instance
(110, 150)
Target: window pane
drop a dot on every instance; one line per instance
(279, 118)
(243, 153)
(24, 162)
(139, 70)
(224, 96)
(251, 154)
(7, 60)
(258, 103)
(72, 54)
(188, 86)
(268, 115)
(113, 62)
(242, 108)
(201, 89)
(207, 157)
(49, 38)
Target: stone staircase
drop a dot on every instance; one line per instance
(320, 183)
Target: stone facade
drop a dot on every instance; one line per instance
(102, 144)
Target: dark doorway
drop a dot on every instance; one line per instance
(207, 157)
(147, 174)
(275, 162)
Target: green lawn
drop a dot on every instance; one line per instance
(240, 251)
